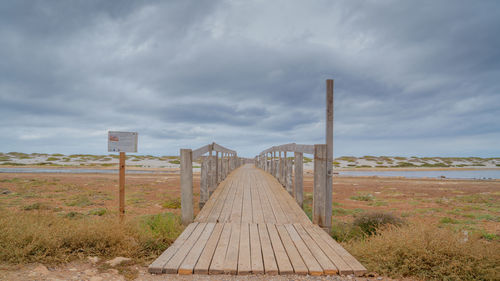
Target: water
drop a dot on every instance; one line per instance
(453, 174)
(75, 171)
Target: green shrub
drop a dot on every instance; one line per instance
(172, 203)
(370, 222)
(362, 197)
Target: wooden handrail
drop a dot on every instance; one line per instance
(214, 169)
(291, 147)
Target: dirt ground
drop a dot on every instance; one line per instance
(465, 204)
(90, 272)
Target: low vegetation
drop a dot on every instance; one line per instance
(428, 252)
(49, 238)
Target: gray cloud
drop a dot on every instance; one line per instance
(410, 78)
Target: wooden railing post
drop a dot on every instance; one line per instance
(322, 196)
(217, 168)
(272, 163)
(280, 175)
(277, 172)
(204, 181)
(212, 174)
(223, 164)
(289, 168)
(299, 183)
(186, 186)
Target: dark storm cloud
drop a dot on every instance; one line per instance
(411, 78)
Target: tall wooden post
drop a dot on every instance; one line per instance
(187, 212)
(329, 146)
(299, 183)
(122, 185)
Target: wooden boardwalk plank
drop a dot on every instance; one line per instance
(255, 250)
(244, 256)
(270, 266)
(205, 259)
(257, 215)
(217, 209)
(217, 265)
(187, 266)
(246, 215)
(158, 265)
(231, 262)
(328, 267)
(174, 263)
(313, 266)
(298, 264)
(341, 265)
(284, 265)
(211, 203)
(356, 266)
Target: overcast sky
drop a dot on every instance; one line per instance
(412, 78)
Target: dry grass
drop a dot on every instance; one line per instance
(428, 252)
(48, 238)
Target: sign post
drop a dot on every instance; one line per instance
(122, 142)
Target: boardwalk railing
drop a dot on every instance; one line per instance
(281, 167)
(214, 169)
(289, 172)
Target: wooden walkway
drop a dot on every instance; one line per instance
(251, 225)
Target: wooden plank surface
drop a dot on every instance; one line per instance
(157, 266)
(205, 259)
(231, 262)
(244, 256)
(298, 264)
(217, 265)
(187, 266)
(328, 267)
(174, 263)
(313, 267)
(284, 265)
(256, 250)
(251, 225)
(270, 266)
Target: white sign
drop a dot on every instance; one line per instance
(122, 141)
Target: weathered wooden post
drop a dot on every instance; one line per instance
(204, 181)
(299, 183)
(122, 184)
(289, 168)
(322, 207)
(277, 165)
(272, 163)
(187, 186)
(223, 164)
(329, 149)
(282, 167)
(212, 174)
(217, 167)
(283, 175)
